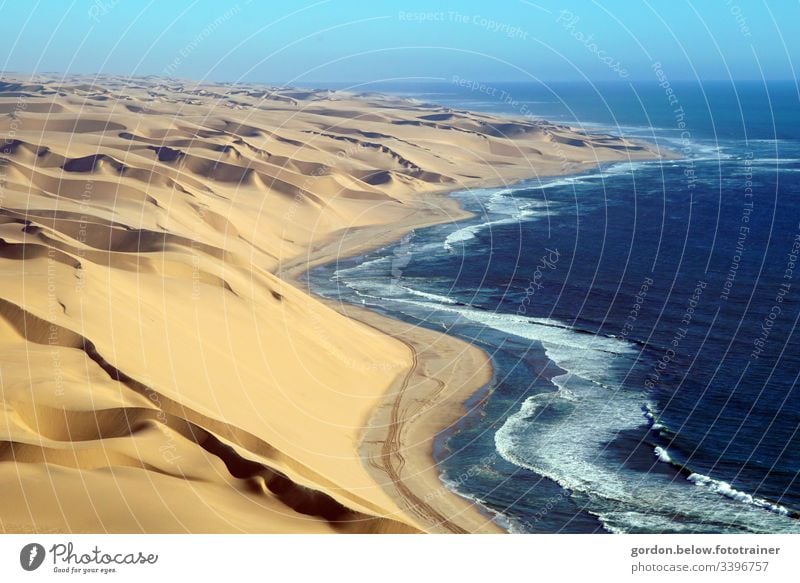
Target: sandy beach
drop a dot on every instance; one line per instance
(164, 368)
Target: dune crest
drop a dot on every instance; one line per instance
(161, 373)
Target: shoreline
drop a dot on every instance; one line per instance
(380, 464)
(447, 372)
(194, 198)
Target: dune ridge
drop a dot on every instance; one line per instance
(163, 369)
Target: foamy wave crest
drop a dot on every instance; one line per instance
(582, 354)
(344, 271)
(467, 233)
(725, 489)
(663, 455)
(718, 486)
(655, 425)
(503, 209)
(775, 160)
(430, 296)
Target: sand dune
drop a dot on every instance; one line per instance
(161, 370)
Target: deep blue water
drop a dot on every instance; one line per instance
(641, 318)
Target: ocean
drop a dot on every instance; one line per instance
(641, 317)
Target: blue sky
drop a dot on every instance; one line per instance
(304, 42)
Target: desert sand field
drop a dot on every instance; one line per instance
(162, 368)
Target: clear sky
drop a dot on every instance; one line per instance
(306, 41)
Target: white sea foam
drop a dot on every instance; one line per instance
(651, 417)
(775, 160)
(570, 448)
(725, 489)
(663, 455)
(775, 164)
(564, 435)
(698, 151)
(469, 232)
(502, 209)
(587, 354)
(344, 271)
(429, 296)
